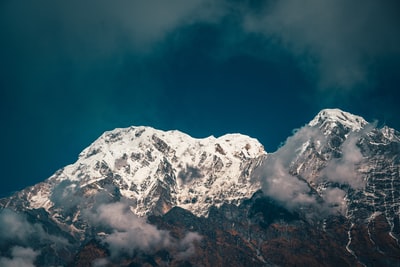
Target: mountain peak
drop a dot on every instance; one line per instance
(330, 118)
(160, 169)
(135, 137)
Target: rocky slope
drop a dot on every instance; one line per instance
(140, 196)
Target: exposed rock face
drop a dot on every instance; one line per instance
(139, 196)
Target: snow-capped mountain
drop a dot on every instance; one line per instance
(157, 170)
(336, 179)
(353, 168)
(351, 161)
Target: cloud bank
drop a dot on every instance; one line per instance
(339, 43)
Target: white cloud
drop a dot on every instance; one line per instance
(20, 257)
(127, 233)
(289, 188)
(344, 169)
(281, 185)
(16, 228)
(284, 187)
(101, 262)
(335, 200)
(186, 245)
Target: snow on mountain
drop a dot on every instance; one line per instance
(328, 119)
(148, 164)
(331, 158)
(338, 172)
(158, 170)
(350, 164)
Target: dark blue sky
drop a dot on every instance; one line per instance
(70, 70)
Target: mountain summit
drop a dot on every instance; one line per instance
(157, 170)
(328, 196)
(337, 116)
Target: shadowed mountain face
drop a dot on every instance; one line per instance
(141, 197)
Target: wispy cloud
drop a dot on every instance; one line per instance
(281, 181)
(15, 227)
(19, 236)
(337, 43)
(335, 200)
(186, 246)
(344, 169)
(125, 233)
(278, 182)
(128, 232)
(20, 257)
(100, 28)
(96, 43)
(103, 262)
